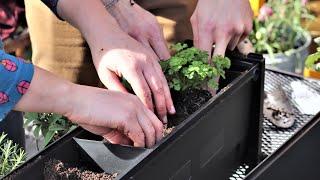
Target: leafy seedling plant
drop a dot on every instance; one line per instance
(11, 155)
(51, 126)
(190, 68)
(313, 60)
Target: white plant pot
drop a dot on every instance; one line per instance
(294, 62)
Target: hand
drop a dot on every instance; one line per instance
(125, 57)
(118, 117)
(116, 54)
(142, 26)
(223, 22)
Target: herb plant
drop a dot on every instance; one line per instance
(51, 126)
(278, 28)
(190, 68)
(11, 155)
(313, 60)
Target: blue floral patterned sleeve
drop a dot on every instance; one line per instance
(15, 78)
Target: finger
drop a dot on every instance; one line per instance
(159, 45)
(116, 137)
(155, 84)
(140, 88)
(195, 30)
(234, 42)
(169, 103)
(148, 129)
(111, 135)
(205, 42)
(145, 42)
(112, 82)
(221, 45)
(133, 130)
(158, 126)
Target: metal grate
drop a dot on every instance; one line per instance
(273, 137)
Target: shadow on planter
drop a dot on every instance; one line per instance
(12, 125)
(210, 144)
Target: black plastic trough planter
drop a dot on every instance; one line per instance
(297, 159)
(209, 144)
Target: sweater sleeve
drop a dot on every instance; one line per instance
(15, 78)
(52, 4)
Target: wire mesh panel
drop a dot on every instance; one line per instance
(273, 137)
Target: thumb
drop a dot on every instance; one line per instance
(112, 82)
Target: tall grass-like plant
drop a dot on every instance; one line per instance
(11, 155)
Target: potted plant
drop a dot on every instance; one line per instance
(312, 64)
(279, 35)
(212, 135)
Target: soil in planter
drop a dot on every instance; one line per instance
(186, 103)
(55, 169)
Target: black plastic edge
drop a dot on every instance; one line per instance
(266, 163)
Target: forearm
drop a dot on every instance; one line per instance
(47, 93)
(91, 18)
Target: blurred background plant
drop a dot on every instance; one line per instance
(11, 155)
(50, 126)
(313, 60)
(278, 28)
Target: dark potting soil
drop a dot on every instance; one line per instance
(55, 169)
(186, 103)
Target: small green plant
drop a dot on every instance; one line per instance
(11, 155)
(313, 60)
(278, 28)
(190, 68)
(51, 126)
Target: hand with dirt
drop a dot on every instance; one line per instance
(121, 118)
(141, 25)
(116, 54)
(224, 23)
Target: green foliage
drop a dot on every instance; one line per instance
(281, 31)
(313, 60)
(50, 125)
(189, 68)
(11, 155)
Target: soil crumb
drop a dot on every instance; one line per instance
(55, 169)
(167, 131)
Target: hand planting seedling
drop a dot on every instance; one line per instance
(190, 68)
